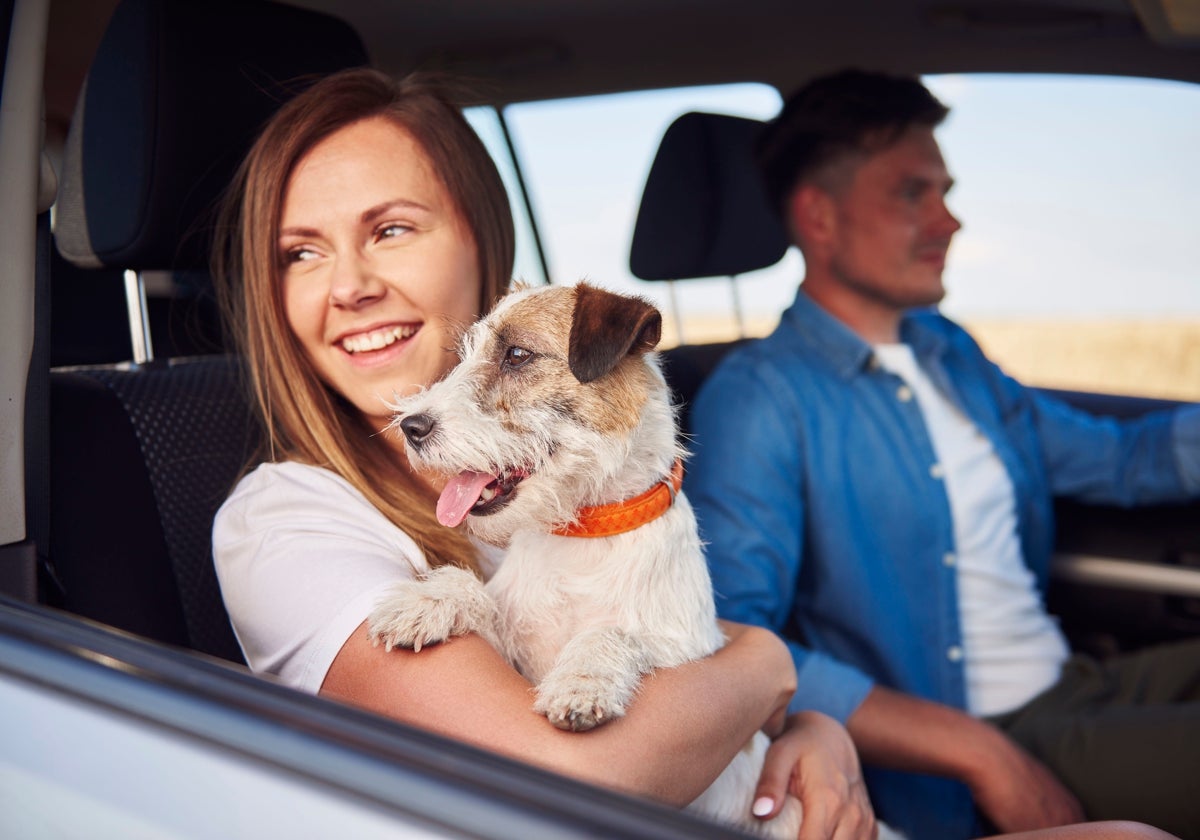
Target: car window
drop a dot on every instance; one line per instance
(529, 265)
(1076, 266)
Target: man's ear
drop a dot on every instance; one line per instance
(812, 215)
(607, 327)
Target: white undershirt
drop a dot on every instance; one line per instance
(1013, 649)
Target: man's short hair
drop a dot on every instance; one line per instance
(846, 112)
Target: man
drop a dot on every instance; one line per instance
(878, 492)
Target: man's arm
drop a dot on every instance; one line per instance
(1012, 788)
(745, 481)
(1149, 459)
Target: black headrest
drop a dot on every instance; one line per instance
(704, 212)
(175, 94)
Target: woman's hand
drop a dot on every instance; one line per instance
(815, 761)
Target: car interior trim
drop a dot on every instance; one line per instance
(1114, 573)
(20, 165)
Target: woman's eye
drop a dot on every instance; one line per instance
(391, 231)
(300, 254)
(514, 357)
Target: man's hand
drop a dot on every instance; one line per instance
(1012, 788)
(1018, 793)
(815, 761)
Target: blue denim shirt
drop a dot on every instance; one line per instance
(814, 480)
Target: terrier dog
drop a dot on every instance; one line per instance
(558, 430)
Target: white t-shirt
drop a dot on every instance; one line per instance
(1013, 649)
(302, 558)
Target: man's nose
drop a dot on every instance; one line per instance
(947, 223)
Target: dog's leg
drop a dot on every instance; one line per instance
(448, 601)
(593, 679)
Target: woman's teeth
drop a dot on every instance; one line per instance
(377, 339)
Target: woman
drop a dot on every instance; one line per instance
(365, 229)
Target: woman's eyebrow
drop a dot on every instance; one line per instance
(384, 207)
(366, 217)
(304, 232)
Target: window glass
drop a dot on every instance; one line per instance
(527, 263)
(1077, 264)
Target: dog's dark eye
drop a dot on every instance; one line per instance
(514, 357)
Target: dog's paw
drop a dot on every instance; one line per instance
(446, 602)
(579, 702)
(593, 679)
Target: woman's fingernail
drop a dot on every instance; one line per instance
(762, 806)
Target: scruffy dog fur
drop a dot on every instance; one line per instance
(559, 404)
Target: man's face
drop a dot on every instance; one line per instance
(890, 226)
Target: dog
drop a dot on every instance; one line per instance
(559, 435)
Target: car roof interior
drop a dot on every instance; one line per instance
(543, 49)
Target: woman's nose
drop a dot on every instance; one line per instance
(354, 282)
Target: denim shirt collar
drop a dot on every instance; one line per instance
(845, 350)
(832, 340)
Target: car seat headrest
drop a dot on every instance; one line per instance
(704, 212)
(175, 95)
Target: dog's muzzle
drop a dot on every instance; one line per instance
(417, 428)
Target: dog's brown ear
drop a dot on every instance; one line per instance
(607, 327)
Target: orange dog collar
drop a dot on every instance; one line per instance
(620, 517)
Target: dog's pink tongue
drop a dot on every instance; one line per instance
(460, 496)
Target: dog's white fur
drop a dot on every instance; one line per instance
(583, 618)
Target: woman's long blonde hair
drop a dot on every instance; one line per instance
(303, 419)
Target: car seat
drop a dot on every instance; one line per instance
(704, 213)
(143, 454)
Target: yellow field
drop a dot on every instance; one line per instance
(1159, 358)
(1147, 358)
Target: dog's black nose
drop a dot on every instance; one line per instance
(417, 427)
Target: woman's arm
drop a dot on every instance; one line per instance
(684, 726)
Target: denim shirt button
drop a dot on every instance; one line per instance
(904, 393)
(937, 471)
(949, 558)
(954, 653)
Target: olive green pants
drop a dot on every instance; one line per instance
(1123, 735)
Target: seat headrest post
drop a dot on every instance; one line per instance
(139, 317)
(735, 292)
(675, 311)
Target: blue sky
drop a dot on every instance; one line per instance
(1079, 197)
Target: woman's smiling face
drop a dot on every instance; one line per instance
(380, 274)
